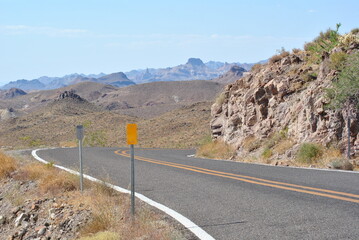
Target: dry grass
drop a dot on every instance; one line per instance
(329, 155)
(68, 144)
(102, 236)
(216, 149)
(111, 217)
(7, 165)
(283, 146)
(51, 180)
(251, 143)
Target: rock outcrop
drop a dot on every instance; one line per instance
(285, 95)
(234, 73)
(70, 95)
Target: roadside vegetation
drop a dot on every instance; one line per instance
(217, 149)
(110, 216)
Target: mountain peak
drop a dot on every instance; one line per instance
(119, 75)
(195, 62)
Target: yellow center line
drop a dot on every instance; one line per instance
(253, 178)
(243, 178)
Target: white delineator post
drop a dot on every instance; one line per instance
(80, 136)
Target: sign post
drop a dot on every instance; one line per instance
(80, 137)
(348, 125)
(132, 140)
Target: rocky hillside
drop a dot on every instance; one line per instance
(115, 79)
(11, 93)
(160, 93)
(285, 102)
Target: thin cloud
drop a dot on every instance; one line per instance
(312, 11)
(39, 30)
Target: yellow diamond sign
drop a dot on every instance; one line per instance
(131, 134)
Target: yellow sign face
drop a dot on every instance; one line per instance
(131, 134)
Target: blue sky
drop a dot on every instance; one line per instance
(58, 37)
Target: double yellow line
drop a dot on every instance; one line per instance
(349, 197)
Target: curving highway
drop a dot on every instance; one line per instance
(232, 200)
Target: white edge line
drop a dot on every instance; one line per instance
(196, 230)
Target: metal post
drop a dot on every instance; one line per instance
(132, 180)
(348, 153)
(81, 168)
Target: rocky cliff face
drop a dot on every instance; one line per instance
(284, 96)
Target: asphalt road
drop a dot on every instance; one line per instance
(231, 200)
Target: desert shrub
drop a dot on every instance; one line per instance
(337, 60)
(343, 164)
(217, 149)
(355, 31)
(310, 76)
(256, 67)
(95, 139)
(267, 153)
(325, 42)
(296, 50)
(346, 86)
(281, 54)
(7, 165)
(308, 153)
(220, 99)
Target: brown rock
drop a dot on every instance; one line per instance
(274, 98)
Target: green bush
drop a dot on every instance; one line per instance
(95, 139)
(355, 31)
(337, 60)
(267, 153)
(325, 42)
(310, 76)
(346, 86)
(308, 153)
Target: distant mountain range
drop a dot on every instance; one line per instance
(194, 69)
